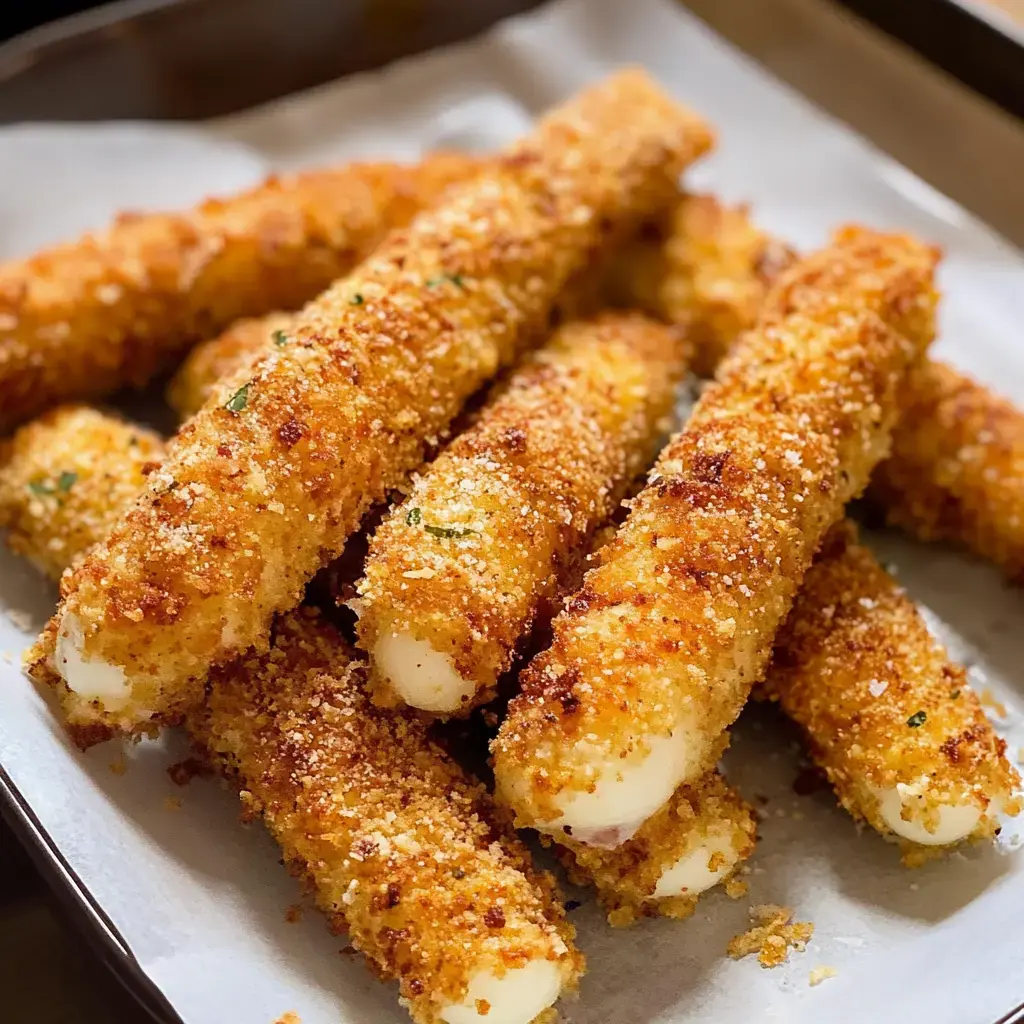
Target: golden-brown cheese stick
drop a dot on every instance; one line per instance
(213, 364)
(257, 494)
(697, 840)
(400, 848)
(457, 572)
(86, 318)
(708, 266)
(894, 724)
(956, 473)
(66, 477)
(656, 654)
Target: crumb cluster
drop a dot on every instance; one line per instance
(771, 936)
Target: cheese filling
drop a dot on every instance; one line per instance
(517, 997)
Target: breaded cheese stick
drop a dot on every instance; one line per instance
(456, 573)
(706, 265)
(657, 652)
(65, 479)
(86, 318)
(956, 473)
(400, 848)
(697, 840)
(258, 493)
(212, 364)
(892, 721)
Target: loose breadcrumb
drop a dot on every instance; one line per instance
(992, 703)
(771, 936)
(257, 494)
(289, 1018)
(492, 527)
(119, 766)
(668, 635)
(173, 803)
(400, 848)
(83, 319)
(820, 974)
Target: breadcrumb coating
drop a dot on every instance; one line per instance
(400, 848)
(83, 319)
(667, 636)
(706, 265)
(883, 707)
(259, 493)
(956, 472)
(66, 477)
(212, 365)
(709, 815)
(957, 468)
(493, 525)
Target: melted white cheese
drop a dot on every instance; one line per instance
(91, 679)
(517, 997)
(422, 676)
(955, 821)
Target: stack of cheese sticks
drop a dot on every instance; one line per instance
(183, 563)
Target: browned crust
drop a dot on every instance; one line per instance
(86, 318)
(956, 473)
(877, 696)
(676, 625)
(401, 849)
(522, 490)
(256, 495)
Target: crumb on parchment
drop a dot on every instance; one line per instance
(172, 803)
(771, 935)
(294, 913)
(119, 765)
(820, 974)
(291, 1017)
(992, 703)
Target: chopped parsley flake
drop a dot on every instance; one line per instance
(239, 400)
(455, 279)
(61, 485)
(413, 517)
(356, 300)
(448, 532)
(280, 338)
(918, 718)
(954, 695)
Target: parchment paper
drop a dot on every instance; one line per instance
(202, 900)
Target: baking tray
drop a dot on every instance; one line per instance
(975, 41)
(191, 59)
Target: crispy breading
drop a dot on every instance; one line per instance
(66, 478)
(957, 468)
(212, 365)
(400, 848)
(83, 319)
(884, 709)
(956, 471)
(708, 822)
(657, 652)
(493, 525)
(771, 935)
(258, 494)
(707, 266)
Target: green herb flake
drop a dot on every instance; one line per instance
(917, 719)
(40, 487)
(455, 279)
(448, 532)
(413, 517)
(239, 400)
(66, 481)
(954, 695)
(45, 488)
(356, 300)
(280, 338)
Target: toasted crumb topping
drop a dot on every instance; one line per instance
(771, 936)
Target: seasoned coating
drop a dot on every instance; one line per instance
(892, 721)
(456, 574)
(65, 479)
(697, 840)
(259, 493)
(707, 266)
(86, 318)
(956, 473)
(212, 364)
(400, 848)
(657, 652)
